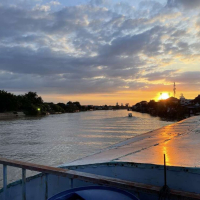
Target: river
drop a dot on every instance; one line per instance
(56, 139)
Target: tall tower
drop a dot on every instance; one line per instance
(174, 89)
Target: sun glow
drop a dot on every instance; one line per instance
(163, 95)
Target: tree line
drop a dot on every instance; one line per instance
(32, 104)
(171, 108)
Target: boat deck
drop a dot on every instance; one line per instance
(180, 142)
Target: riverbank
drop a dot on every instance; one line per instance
(11, 115)
(32, 104)
(171, 108)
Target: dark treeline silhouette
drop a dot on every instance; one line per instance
(171, 108)
(31, 104)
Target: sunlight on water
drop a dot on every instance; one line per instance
(56, 139)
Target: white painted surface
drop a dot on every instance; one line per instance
(178, 178)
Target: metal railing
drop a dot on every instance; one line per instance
(92, 178)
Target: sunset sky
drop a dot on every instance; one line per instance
(100, 51)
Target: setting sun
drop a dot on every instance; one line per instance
(164, 95)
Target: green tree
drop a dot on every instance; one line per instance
(31, 103)
(77, 104)
(57, 108)
(8, 102)
(62, 105)
(70, 107)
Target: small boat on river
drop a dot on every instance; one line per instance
(129, 114)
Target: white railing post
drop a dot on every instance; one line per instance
(5, 181)
(71, 183)
(24, 184)
(46, 186)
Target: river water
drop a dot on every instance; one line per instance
(56, 139)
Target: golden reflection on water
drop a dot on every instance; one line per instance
(103, 136)
(166, 147)
(166, 152)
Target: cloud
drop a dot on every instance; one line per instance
(56, 83)
(130, 45)
(186, 81)
(191, 4)
(159, 75)
(93, 47)
(42, 7)
(55, 3)
(189, 77)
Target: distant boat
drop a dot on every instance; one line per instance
(129, 114)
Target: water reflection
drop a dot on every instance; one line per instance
(166, 155)
(57, 139)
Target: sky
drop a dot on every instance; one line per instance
(100, 51)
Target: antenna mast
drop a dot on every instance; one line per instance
(174, 89)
